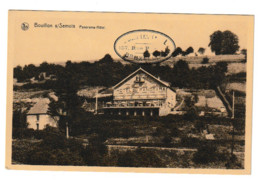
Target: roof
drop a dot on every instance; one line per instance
(40, 107)
(142, 70)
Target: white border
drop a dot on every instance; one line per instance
(180, 6)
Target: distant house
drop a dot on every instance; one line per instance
(37, 117)
(207, 102)
(141, 94)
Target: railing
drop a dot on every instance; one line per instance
(130, 106)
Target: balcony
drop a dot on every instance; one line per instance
(133, 104)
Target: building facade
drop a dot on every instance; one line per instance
(141, 94)
(38, 118)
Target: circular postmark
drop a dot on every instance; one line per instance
(144, 46)
(25, 26)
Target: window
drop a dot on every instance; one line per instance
(139, 79)
(37, 117)
(37, 126)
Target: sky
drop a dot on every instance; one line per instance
(56, 45)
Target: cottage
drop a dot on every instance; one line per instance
(141, 94)
(37, 117)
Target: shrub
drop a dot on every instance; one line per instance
(95, 152)
(139, 158)
(233, 163)
(167, 140)
(43, 156)
(53, 149)
(207, 153)
(191, 114)
(160, 131)
(175, 132)
(22, 133)
(190, 142)
(205, 61)
(199, 125)
(127, 132)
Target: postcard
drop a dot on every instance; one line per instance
(129, 92)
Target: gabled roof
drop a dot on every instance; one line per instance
(142, 70)
(41, 107)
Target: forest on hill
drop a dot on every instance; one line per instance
(107, 72)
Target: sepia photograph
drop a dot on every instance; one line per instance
(139, 92)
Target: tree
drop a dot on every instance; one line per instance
(44, 67)
(224, 42)
(156, 53)
(219, 74)
(180, 74)
(188, 51)
(201, 50)
(165, 52)
(191, 111)
(29, 71)
(177, 51)
(68, 103)
(244, 52)
(146, 54)
(106, 59)
(18, 73)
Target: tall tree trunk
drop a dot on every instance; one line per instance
(226, 103)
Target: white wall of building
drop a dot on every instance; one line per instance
(43, 120)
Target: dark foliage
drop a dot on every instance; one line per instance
(244, 52)
(96, 151)
(156, 53)
(146, 54)
(19, 119)
(207, 153)
(139, 158)
(224, 42)
(107, 72)
(233, 163)
(188, 51)
(22, 133)
(30, 71)
(53, 149)
(177, 51)
(201, 50)
(205, 61)
(20, 125)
